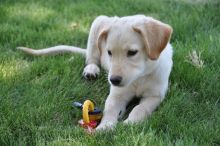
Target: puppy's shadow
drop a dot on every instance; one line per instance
(135, 101)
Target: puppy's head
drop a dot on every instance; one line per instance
(130, 45)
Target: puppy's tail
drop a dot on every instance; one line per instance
(53, 50)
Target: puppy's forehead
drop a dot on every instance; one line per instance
(121, 35)
(131, 20)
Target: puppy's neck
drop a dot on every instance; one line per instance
(151, 66)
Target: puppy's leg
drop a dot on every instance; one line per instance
(143, 110)
(93, 53)
(114, 106)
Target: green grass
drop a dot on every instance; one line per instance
(36, 92)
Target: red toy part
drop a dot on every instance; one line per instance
(90, 125)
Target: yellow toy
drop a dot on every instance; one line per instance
(91, 114)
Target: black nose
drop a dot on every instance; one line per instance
(116, 80)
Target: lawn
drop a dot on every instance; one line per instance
(36, 93)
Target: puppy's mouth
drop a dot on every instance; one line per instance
(120, 85)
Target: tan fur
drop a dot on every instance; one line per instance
(155, 34)
(102, 39)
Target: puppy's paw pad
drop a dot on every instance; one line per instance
(91, 71)
(88, 76)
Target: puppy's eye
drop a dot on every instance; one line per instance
(131, 53)
(109, 53)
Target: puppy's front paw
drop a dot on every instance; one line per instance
(91, 71)
(127, 121)
(136, 116)
(105, 126)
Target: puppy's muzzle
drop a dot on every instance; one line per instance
(116, 80)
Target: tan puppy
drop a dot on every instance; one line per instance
(135, 51)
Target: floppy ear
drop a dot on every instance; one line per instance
(102, 37)
(155, 34)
